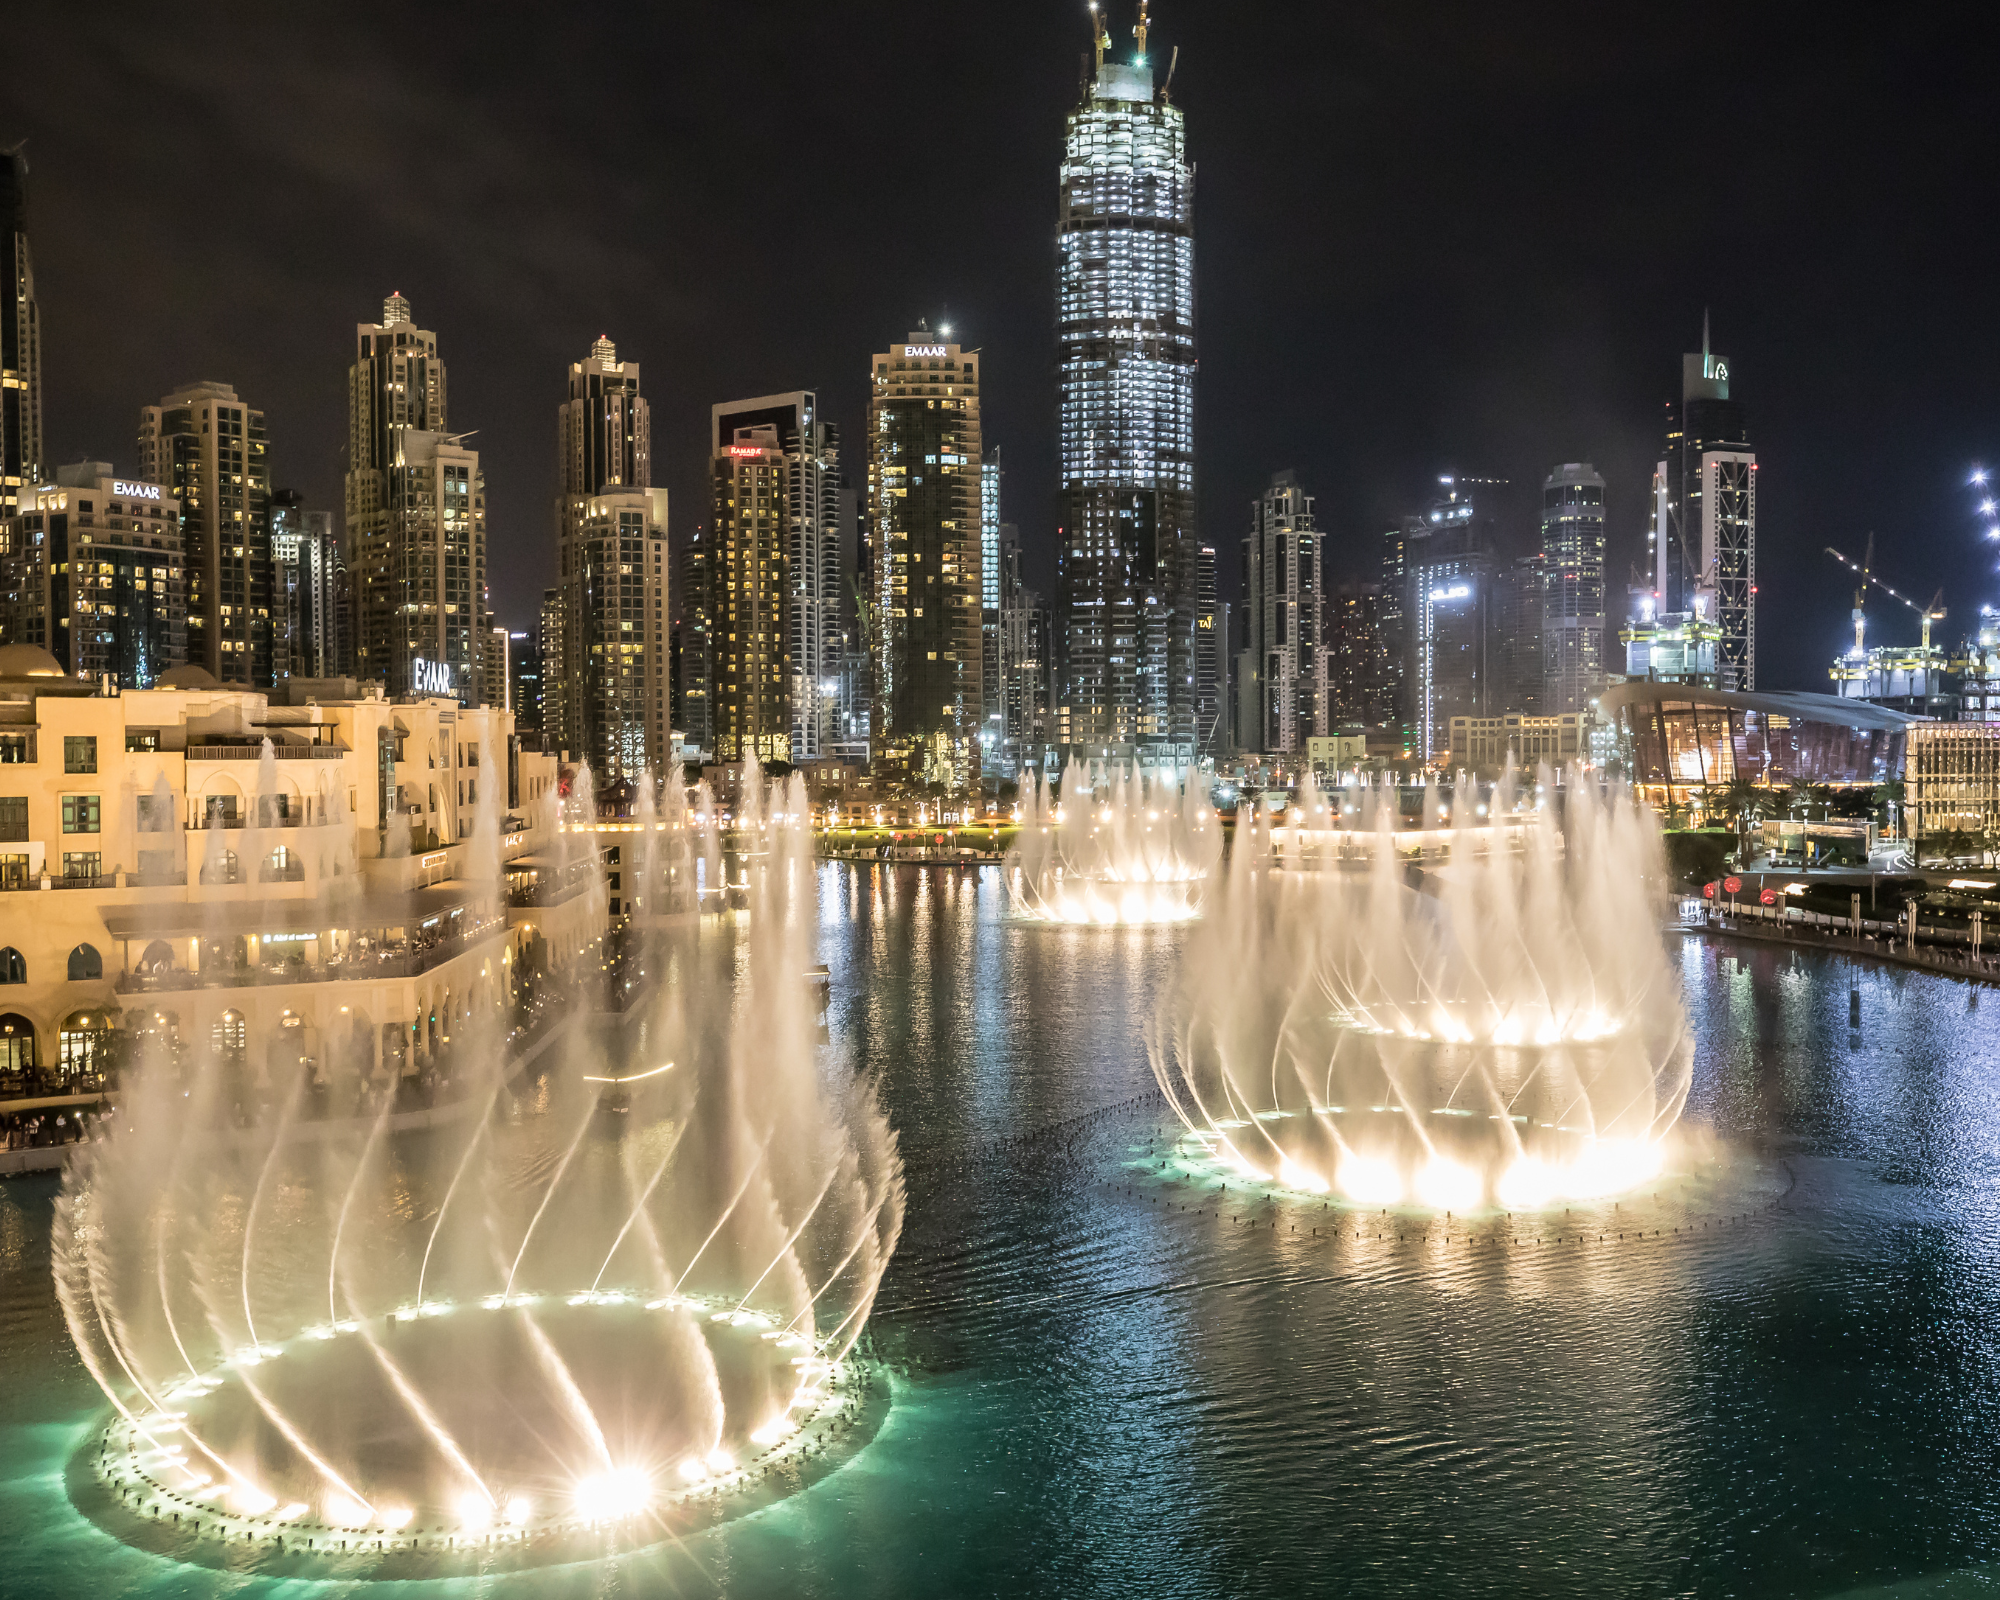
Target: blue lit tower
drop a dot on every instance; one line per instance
(1127, 547)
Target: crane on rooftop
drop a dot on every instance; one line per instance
(1934, 612)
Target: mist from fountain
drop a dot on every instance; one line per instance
(1118, 846)
(649, 1291)
(1482, 1012)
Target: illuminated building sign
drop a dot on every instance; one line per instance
(1458, 591)
(746, 449)
(136, 491)
(922, 350)
(432, 677)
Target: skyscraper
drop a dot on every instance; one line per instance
(1447, 559)
(748, 574)
(206, 449)
(611, 563)
(1361, 671)
(1127, 544)
(1572, 624)
(309, 610)
(1211, 660)
(924, 484)
(1282, 696)
(694, 674)
(90, 570)
(993, 712)
(807, 509)
(20, 344)
(416, 519)
(1024, 663)
(1520, 597)
(1705, 518)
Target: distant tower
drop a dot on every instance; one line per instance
(924, 483)
(1284, 611)
(1705, 535)
(21, 465)
(416, 520)
(1572, 621)
(611, 558)
(206, 449)
(1127, 551)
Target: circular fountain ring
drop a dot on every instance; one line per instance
(266, 1507)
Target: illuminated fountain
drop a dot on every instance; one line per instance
(1453, 1016)
(1120, 847)
(518, 1337)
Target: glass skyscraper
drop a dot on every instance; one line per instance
(1127, 551)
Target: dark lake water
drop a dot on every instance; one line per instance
(1109, 1386)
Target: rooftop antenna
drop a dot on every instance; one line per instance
(1139, 30)
(1102, 39)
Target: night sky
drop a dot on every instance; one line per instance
(1429, 239)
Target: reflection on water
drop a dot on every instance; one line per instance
(1105, 1394)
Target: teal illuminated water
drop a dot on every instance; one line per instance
(1101, 1393)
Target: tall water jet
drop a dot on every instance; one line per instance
(1448, 1016)
(1119, 845)
(501, 1330)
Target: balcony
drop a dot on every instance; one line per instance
(102, 880)
(291, 872)
(254, 752)
(399, 961)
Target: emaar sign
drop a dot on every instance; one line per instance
(136, 491)
(432, 677)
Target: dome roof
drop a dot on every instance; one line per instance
(28, 661)
(189, 676)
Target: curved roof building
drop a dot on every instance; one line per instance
(1681, 737)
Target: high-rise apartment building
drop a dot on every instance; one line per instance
(1282, 688)
(1572, 627)
(1361, 670)
(416, 519)
(694, 672)
(549, 636)
(90, 570)
(21, 464)
(1447, 560)
(524, 684)
(206, 449)
(1213, 729)
(748, 573)
(808, 513)
(1705, 517)
(924, 485)
(310, 616)
(992, 712)
(1127, 543)
(1024, 663)
(611, 562)
(1520, 594)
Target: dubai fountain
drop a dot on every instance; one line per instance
(1119, 847)
(587, 1313)
(1477, 1011)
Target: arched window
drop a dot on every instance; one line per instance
(85, 962)
(227, 1035)
(86, 1044)
(159, 957)
(17, 1045)
(225, 870)
(13, 966)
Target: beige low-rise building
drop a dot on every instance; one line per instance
(344, 878)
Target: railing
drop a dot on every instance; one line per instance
(252, 752)
(103, 880)
(294, 872)
(205, 823)
(548, 894)
(399, 963)
(156, 880)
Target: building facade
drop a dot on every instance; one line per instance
(416, 518)
(345, 881)
(1517, 655)
(992, 710)
(1572, 621)
(1705, 517)
(21, 461)
(1446, 556)
(747, 570)
(1025, 663)
(91, 571)
(925, 478)
(206, 450)
(1283, 693)
(311, 619)
(1486, 745)
(808, 509)
(613, 713)
(1127, 545)
(1951, 779)
(1361, 665)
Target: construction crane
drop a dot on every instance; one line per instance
(1934, 612)
(1100, 35)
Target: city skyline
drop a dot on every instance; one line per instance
(1529, 359)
